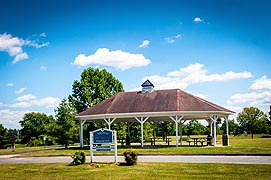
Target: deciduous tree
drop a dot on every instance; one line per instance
(252, 119)
(34, 125)
(94, 86)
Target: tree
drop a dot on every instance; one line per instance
(252, 119)
(196, 128)
(3, 137)
(35, 126)
(233, 127)
(95, 86)
(67, 129)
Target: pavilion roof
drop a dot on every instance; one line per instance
(172, 100)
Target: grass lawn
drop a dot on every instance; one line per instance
(239, 145)
(141, 171)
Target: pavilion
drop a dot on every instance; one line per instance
(154, 105)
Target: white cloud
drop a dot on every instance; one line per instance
(117, 59)
(43, 34)
(13, 46)
(261, 84)
(21, 90)
(259, 95)
(36, 45)
(30, 101)
(10, 84)
(173, 38)
(144, 44)
(43, 68)
(198, 20)
(10, 119)
(20, 57)
(49, 102)
(194, 73)
(26, 97)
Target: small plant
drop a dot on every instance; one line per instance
(130, 157)
(78, 158)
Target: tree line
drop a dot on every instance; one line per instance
(96, 85)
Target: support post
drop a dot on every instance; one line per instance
(109, 121)
(181, 132)
(214, 119)
(81, 133)
(142, 120)
(91, 146)
(227, 130)
(211, 126)
(115, 146)
(176, 120)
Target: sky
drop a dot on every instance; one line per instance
(217, 50)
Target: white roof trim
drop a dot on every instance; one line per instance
(192, 114)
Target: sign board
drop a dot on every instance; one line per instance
(102, 136)
(103, 148)
(103, 140)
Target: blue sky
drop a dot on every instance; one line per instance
(218, 50)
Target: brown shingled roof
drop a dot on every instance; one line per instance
(156, 101)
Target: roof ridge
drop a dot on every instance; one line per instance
(113, 99)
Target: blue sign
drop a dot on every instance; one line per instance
(103, 136)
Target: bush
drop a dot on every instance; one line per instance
(78, 158)
(130, 157)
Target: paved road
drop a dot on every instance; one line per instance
(11, 159)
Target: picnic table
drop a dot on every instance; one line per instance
(155, 139)
(197, 141)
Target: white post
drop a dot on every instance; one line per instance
(227, 130)
(81, 133)
(116, 146)
(91, 146)
(214, 119)
(181, 132)
(176, 120)
(142, 120)
(211, 128)
(109, 122)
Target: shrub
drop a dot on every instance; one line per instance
(78, 158)
(130, 156)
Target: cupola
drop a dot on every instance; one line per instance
(147, 87)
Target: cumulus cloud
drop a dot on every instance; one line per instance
(29, 100)
(26, 97)
(259, 95)
(172, 39)
(10, 119)
(43, 34)
(13, 46)
(10, 84)
(261, 84)
(118, 59)
(144, 44)
(198, 20)
(192, 74)
(21, 90)
(43, 68)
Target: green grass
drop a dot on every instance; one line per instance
(21, 148)
(141, 171)
(239, 145)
